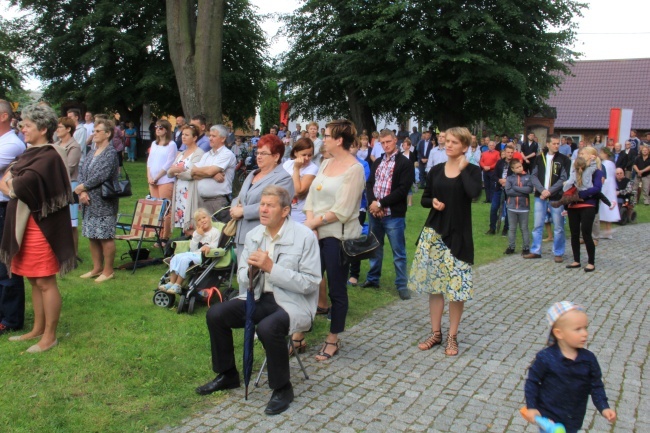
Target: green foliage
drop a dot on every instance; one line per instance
(10, 77)
(447, 62)
(110, 56)
(114, 56)
(244, 56)
(270, 107)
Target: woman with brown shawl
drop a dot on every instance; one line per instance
(37, 241)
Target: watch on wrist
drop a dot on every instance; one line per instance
(323, 220)
(378, 204)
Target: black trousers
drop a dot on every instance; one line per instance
(12, 290)
(272, 330)
(582, 219)
(337, 281)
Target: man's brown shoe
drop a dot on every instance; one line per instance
(532, 256)
(559, 259)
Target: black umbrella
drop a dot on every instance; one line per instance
(249, 328)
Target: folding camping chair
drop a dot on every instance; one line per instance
(145, 226)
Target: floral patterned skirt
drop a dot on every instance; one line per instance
(436, 271)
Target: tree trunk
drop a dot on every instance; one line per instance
(359, 111)
(195, 49)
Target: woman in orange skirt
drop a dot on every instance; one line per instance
(37, 241)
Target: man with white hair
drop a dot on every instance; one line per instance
(215, 172)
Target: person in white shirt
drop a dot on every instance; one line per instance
(473, 153)
(312, 131)
(80, 133)
(12, 289)
(438, 155)
(215, 172)
(89, 125)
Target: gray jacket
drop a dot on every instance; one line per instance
(295, 275)
(518, 188)
(250, 196)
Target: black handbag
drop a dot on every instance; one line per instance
(117, 188)
(362, 248)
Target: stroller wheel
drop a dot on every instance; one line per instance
(181, 304)
(624, 217)
(163, 299)
(190, 307)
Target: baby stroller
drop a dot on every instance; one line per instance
(215, 270)
(628, 214)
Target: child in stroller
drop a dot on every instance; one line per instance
(205, 237)
(209, 273)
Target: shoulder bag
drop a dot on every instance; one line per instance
(362, 248)
(117, 188)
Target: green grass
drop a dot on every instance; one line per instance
(126, 365)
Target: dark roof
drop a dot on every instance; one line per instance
(584, 99)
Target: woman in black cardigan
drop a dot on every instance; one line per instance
(445, 251)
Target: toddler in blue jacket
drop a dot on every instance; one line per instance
(565, 374)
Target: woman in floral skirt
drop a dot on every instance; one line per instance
(442, 264)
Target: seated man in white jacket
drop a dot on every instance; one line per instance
(288, 256)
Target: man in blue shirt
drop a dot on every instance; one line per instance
(12, 289)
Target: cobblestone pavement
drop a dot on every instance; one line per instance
(381, 382)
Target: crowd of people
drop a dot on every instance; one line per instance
(308, 193)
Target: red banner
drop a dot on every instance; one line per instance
(284, 113)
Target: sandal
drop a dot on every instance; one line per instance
(300, 347)
(433, 340)
(321, 310)
(452, 345)
(326, 355)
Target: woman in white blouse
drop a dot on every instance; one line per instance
(161, 158)
(332, 210)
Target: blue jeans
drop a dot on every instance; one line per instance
(489, 182)
(494, 208)
(559, 241)
(393, 228)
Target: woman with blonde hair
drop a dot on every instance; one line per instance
(442, 264)
(582, 214)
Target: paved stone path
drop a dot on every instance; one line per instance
(381, 382)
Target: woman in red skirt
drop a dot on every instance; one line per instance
(37, 241)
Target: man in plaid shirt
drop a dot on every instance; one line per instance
(391, 178)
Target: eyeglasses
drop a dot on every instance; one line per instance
(264, 154)
(160, 127)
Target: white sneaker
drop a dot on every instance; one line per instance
(175, 289)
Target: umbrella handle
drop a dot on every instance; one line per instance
(253, 271)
